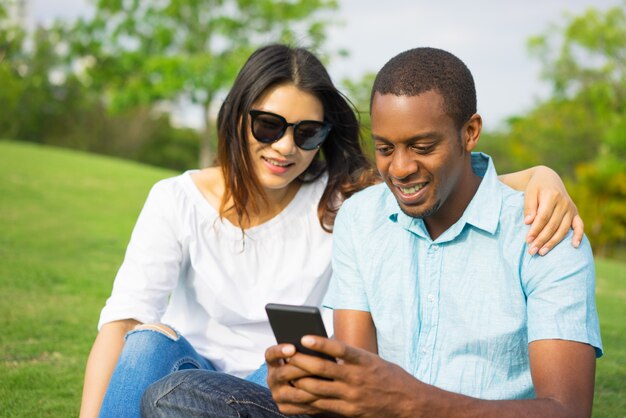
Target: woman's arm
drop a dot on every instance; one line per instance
(102, 360)
(146, 278)
(548, 208)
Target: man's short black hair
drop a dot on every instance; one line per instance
(419, 70)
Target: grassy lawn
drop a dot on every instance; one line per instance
(610, 397)
(65, 219)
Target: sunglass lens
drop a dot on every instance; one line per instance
(309, 135)
(267, 128)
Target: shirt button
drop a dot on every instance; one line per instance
(424, 351)
(431, 297)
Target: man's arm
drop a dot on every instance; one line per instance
(355, 328)
(363, 384)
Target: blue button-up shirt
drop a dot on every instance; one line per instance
(458, 312)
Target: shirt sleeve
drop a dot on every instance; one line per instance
(152, 263)
(346, 289)
(560, 291)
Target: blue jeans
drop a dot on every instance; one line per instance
(147, 356)
(202, 393)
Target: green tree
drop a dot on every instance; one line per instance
(600, 193)
(359, 94)
(581, 129)
(45, 101)
(149, 52)
(11, 40)
(586, 64)
(42, 100)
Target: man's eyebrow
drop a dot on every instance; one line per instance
(425, 135)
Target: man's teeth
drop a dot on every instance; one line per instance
(411, 190)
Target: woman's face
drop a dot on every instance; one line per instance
(280, 163)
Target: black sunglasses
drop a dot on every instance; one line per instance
(269, 127)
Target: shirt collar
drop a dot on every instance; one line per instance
(483, 211)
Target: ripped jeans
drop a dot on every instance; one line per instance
(147, 356)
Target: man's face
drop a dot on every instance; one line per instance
(420, 153)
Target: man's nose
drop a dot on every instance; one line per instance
(402, 165)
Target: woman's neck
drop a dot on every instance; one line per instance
(211, 183)
(277, 201)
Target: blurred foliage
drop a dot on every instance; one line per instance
(106, 83)
(358, 92)
(600, 193)
(145, 52)
(581, 130)
(46, 101)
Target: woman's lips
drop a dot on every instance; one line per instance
(277, 166)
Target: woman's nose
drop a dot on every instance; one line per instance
(286, 144)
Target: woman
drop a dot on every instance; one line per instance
(212, 247)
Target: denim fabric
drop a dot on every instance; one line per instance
(147, 356)
(259, 376)
(201, 393)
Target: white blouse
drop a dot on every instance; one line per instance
(201, 275)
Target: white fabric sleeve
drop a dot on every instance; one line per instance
(151, 267)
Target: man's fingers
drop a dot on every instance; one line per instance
(292, 395)
(291, 400)
(316, 366)
(297, 409)
(284, 375)
(321, 388)
(276, 353)
(339, 407)
(333, 348)
(287, 373)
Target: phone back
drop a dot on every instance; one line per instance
(291, 322)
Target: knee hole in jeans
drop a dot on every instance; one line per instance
(162, 328)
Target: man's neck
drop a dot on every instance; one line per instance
(456, 204)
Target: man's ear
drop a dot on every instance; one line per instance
(471, 132)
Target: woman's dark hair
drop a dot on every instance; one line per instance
(341, 154)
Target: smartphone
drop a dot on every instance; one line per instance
(291, 322)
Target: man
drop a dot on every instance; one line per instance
(439, 308)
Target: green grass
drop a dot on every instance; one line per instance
(65, 220)
(610, 398)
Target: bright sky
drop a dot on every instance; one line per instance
(488, 35)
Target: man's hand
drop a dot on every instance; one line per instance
(281, 377)
(352, 387)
